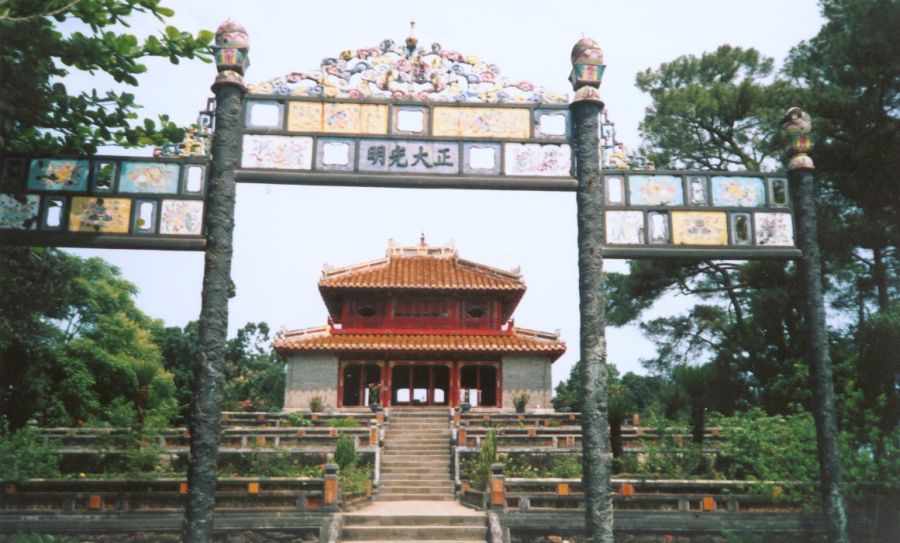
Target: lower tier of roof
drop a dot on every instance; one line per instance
(323, 339)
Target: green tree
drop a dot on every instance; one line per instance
(73, 343)
(254, 373)
(39, 115)
(849, 76)
(179, 351)
(716, 111)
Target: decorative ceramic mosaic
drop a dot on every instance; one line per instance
(107, 215)
(431, 75)
(337, 118)
(482, 122)
(277, 152)
(774, 229)
(738, 191)
(181, 217)
(656, 190)
(537, 159)
(699, 228)
(18, 214)
(58, 174)
(625, 227)
(149, 177)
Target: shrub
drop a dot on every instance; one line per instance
(24, 456)
(343, 423)
(271, 464)
(487, 456)
(316, 404)
(345, 452)
(354, 478)
(297, 419)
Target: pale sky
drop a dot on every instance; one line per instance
(284, 234)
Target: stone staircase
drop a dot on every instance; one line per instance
(415, 500)
(415, 463)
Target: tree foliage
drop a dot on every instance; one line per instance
(43, 41)
(73, 342)
(715, 111)
(740, 348)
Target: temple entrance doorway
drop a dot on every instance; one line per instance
(420, 385)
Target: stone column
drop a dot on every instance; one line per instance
(587, 72)
(231, 49)
(795, 129)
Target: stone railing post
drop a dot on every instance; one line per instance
(497, 487)
(375, 441)
(332, 489)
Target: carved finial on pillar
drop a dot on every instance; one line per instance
(587, 70)
(411, 40)
(795, 129)
(231, 54)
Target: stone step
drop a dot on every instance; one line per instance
(404, 465)
(424, 418)
(430, 487)
(362, 519)
(388, 493)
(419, 451)
(448, 497)
(415, 533)
(415, 471)
(416, 435)
(411, 462)
(424, 453)
(413, 445)
(405, 434)
(424, 440)
(413, 467)
(406, 481)
(420, 429)
(427, 423)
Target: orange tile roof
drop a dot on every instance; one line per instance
(422, 267)
(324, 339)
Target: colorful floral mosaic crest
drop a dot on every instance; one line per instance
(385, 72)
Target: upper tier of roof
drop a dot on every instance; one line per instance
(422, 267)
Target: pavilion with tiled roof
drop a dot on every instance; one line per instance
(431, 328)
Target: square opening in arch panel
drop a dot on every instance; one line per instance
(335, 154)
(264, 114)
(482, 158)
(410, 120)
(551, 123)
